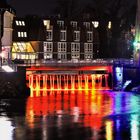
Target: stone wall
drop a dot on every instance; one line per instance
(13, 84)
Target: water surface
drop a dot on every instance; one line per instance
(72, 115)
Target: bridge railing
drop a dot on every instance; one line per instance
(63, 62)
(34, 59)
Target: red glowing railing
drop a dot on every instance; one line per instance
(87, 80)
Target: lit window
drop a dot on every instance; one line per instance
(22, 34)
(73, 24)
(62, 56)
(75, 55)
(95, 24)
(48, 50)
(20, 23)
(88, 50)
(25, 34)
(19, 34)
(60, 23)
(89, 36)
(75, 47)
(23, 47)
(48, 46)
(62, 47)
(47, 24)
(17, 23)
(76, 36)
(87, 24)
(75, 50)
(49, 35)
(23, 23)
(63, 35)
(88, 56)
(88, 47)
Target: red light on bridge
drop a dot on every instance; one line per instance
(91, 78)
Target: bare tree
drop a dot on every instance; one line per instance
(121, 17)
(122, 14)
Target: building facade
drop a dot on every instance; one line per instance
(55, 39)
(70, 39)
(6, 30)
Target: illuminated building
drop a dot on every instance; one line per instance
(54, 39)
(27, 38)
(6, 30)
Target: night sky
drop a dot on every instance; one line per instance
(46, 7)
(37, 7)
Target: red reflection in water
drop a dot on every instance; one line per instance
(85, 107)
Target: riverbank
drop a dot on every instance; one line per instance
(13, 85)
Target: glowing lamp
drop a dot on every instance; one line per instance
(7, 68)
(2, 54)
(109, 25)
(136, 44)
(95, 24)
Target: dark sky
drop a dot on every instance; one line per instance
(46, 7)
(37, 7)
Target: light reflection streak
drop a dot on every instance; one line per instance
(87, 108)
(118, 129)
(109, 130)
(6, 129)
(134, 127)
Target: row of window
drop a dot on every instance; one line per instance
(75, 23)
(63, 35)
(86, 24)
(22, 34)
(20, 23)
(62, 47)
(63, 56)
(61, 23)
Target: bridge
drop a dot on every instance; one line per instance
(42, 75)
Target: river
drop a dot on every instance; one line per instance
(72, 115)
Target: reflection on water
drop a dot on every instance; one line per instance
(6, 129)
(74, 115)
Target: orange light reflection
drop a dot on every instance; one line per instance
(86, 108)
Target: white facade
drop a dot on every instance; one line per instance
(7, 33)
